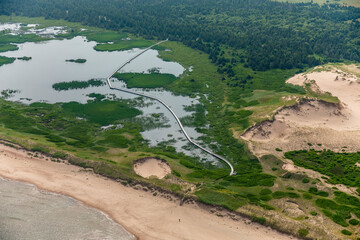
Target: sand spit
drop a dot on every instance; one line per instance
(141, 213)
(148, 167)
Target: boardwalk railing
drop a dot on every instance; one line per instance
(232, 172)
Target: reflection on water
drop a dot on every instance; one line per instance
(34, 80)
(27, 213)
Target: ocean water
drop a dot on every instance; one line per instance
(31, 214)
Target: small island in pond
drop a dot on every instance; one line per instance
(24, 58)
(79, 60)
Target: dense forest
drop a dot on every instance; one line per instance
(261, 34)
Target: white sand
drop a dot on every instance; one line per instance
(144, 215)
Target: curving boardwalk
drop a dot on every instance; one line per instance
(232, 172)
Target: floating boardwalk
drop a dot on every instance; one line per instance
(232, 172)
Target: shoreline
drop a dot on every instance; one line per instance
(137, 211)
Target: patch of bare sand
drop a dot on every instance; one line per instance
(144, 215)
(324, 125)
(147, 167)
(345, 86)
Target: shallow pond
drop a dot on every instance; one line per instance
(34, 79)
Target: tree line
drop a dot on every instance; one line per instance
(267, 34)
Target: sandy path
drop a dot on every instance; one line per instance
(142, 214)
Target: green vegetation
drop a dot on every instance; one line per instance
(218, 198)
(105, 135)
(314, 190)
(337, 212)
(346, 232)
(257, 219)
(303, 232)
(24, 58)
(79, 60)
(249, 30)
(8, 47)
(63, 86)
(322, 2)
(354, 222)
(7, 93)
(102, 112)
(123, 45)
(340, 167)
(313, 213)
(6, 60)
(7, 40)
(142, 80)
(306, 180)
(279, 194)
(104, 37)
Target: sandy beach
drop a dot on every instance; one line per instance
(139, 212)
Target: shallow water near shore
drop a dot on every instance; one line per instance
(28, 213)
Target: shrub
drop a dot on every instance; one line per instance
(346, 232)
(306, 180)
(354, 222)
(307, 196)
(313, 213)
(303, 232)
(61, 155)
(257, 219)
(176, 173)
(278, 149)
(265, 191)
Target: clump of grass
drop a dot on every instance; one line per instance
(123, 45)
(306, 180)
(101, 112)
(257, 219)
(313, 213)
(145, 80)
(346, 232)
(63, 86)
(303, 232)
(79, 60)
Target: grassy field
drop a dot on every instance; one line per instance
(6, 60)
(104, 37)
(101, 112)
(123, 45)
(141, 80)
(8, 47)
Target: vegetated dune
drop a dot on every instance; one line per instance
(313, 123)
